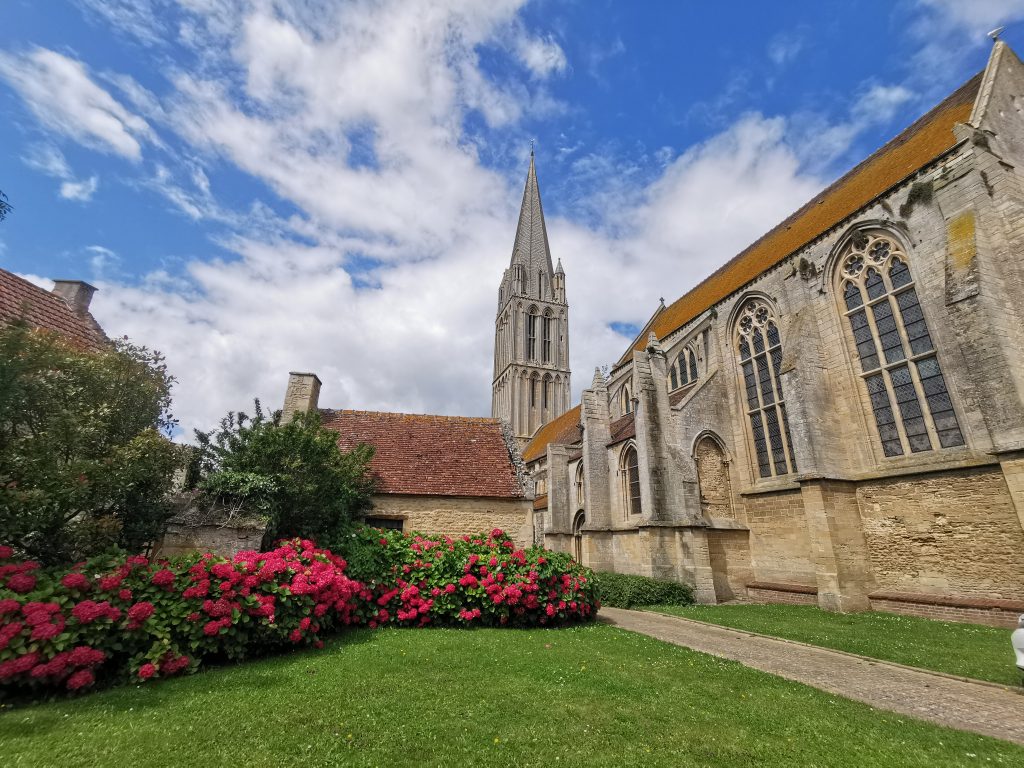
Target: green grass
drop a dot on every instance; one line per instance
(970, 650)
(593, 696)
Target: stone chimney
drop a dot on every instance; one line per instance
(76, 293)
(302, 396)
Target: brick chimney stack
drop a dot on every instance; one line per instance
(302, 395)
(77, 293)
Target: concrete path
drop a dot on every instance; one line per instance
(969, 706)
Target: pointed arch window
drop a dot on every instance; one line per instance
(531, 333)
(580, 497)
(911, 404)
(630, 471)
(546, 394)
(546, 337)
(686, 368)
(760, 351)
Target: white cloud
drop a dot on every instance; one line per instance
(60, 92)
(541, 55)
(81, 191)
(49, 160)
(785, 47)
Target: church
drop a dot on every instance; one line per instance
(833, 417)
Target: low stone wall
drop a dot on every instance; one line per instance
(222, 530)
(776, 592)
(458, 515)
(994, 613)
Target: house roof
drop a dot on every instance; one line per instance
(563, 430)
(430, 455)
(22, 300)
(926, 139)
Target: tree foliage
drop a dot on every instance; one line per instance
(294, 474)
(5, 207)
(85, 463)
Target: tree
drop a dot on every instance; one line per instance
(5, 207)
(85, 461)
(294, 474)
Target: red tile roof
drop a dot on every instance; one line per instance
(622, 428)
(430, 455)
(21, 300)
(923, 141)
(563, 430)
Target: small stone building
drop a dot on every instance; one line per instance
(444, 475)
(836, 415)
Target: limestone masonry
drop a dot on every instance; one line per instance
(836, 415)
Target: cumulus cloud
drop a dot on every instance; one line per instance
(60, 92)
(81, 191)
(380, 271)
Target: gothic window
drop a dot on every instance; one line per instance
(579, 486)
(577, 536)
(533, 391)
(546, 395)
(682, 362)
(674, 377)
(531, 334)
(760, 350)
(546, 339)
(693, 364)
(898, 362)
(626, 399)
(630, 470)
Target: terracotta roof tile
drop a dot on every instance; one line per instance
(622, 428)
(563, 430)
(922, 142)
(430, 455)
(21, 300)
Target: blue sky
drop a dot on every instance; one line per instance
(261, 186)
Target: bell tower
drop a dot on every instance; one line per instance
(531, 332)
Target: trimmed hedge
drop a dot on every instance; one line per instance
(622, 590)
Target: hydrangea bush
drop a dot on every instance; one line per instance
(115, 619)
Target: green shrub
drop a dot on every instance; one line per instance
(621, 590)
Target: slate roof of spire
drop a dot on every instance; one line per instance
(531, 248)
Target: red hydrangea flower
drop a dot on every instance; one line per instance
(111, 582)
(6, 553)
(125, 594)
(22, 583)
(46, 631)
(146, 671)
(83, 678)
(139, 612)
(163, 578)
(211, 628)
(76, 581)
(84, 656)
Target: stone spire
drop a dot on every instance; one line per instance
(531, 249)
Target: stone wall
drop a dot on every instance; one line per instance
(780, 548)
(458, 515)
(226, 540)
(730, 563)
(952, 533)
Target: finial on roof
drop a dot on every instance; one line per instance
(558, 269)
(598, 378)
(533, 140)
(662, 302)
(995, 33)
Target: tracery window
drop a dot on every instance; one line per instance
(685, 369)
(760, 349)
(897, 357)
(631, 481)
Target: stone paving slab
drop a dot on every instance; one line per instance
(968, 706)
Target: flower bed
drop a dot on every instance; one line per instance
(117, 620)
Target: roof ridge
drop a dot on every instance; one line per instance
(434, 416)
(915, 131)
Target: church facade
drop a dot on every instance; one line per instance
(836, 415)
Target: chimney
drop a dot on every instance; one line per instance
(76, 293)
(302, 395)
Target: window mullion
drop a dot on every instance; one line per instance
(883, 365)
(780, 402)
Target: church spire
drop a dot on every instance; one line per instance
(531, 250)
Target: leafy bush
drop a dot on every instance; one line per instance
(472, 580)
(294, 474)
(621, 590)
(114, 620)
(84, 464)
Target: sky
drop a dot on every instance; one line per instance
(258, 187)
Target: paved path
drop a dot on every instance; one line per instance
(969, 706)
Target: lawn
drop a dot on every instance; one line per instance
(970, 650)
(593, 695)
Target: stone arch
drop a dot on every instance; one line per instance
(713, 480)
(578, 521)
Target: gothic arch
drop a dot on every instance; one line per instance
(713, 478)
(629, 476)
